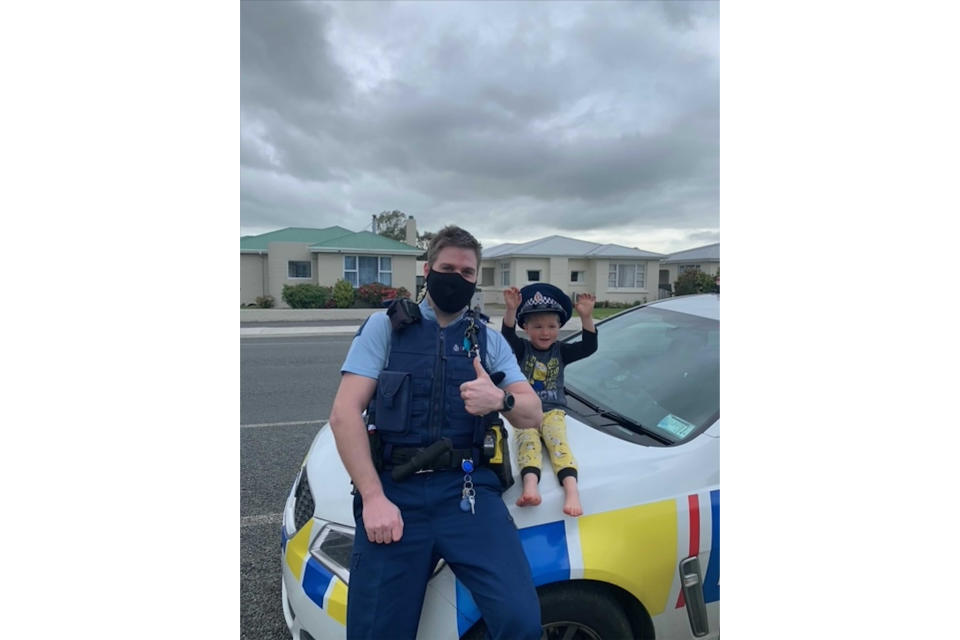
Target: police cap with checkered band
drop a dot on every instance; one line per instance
(540, 298)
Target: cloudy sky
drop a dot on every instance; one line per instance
(595, 120)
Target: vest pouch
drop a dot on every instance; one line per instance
(496, 453)
(394, 398)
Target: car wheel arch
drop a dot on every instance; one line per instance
(633, 610)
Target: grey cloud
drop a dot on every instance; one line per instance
(703, 237)
(686, 14)
(610, 109)
(283, 51)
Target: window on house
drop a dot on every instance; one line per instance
(504, 274)
(627, 276)
(361, 270)
(533, 275)
(486, 276)
(688, 267)
(578, 276)
(385, 272)
(298, 268)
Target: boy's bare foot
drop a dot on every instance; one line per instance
(571, 503)
(531, 491)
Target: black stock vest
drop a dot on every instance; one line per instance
(418, 393)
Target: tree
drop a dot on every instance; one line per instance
(392, 224)
(423, 239)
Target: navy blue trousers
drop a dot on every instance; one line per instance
(388, 581)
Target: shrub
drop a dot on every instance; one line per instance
(343, 294)
(373, 294)
(376, 293)
(306, 296)
(265, 302)
(694, 281)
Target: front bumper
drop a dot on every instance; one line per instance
(314, 589)
(314, 597)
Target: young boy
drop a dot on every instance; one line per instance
(541, 309)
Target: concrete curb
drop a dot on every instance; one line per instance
(349, 329)
(274, 332)
(305, 315)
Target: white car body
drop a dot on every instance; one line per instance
(646, 510)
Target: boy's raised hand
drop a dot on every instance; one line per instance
(584, 306)
(512, 298)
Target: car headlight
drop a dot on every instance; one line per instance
(332, 548)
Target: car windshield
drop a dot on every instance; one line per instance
(654, 371)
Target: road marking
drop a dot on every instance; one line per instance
(282, 424)
(267, 518)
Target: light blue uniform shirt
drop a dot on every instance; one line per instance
(371, 347)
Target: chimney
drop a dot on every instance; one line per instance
(411, 232)
(373, 224)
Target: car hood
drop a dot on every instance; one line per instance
(329, 480)
(608, 467)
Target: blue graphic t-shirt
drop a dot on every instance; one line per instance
(544, 369)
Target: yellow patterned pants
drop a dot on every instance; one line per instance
(553, 431)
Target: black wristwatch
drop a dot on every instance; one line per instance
(508, 401)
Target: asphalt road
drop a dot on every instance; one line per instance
(287, 386)
(289, 379)
(286, 390)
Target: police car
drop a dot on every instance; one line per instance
(643, 559)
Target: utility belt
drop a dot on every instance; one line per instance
(447, 459)
(402, 462)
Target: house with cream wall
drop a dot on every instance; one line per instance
(705, 258)
(611, 272)
(298, 255)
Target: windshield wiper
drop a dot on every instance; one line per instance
(619, 418)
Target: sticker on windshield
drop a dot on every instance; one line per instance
(677, 426)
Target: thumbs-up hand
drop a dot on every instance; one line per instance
(478, 367)
(481, 396)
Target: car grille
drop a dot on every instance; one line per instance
(303, 507)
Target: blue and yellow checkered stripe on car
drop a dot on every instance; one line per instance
(546, 548)
(325, 589)
(711, 582)
(643, 564)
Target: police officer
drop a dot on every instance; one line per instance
(425, 380)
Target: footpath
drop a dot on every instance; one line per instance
(274, 323)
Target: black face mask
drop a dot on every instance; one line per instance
(449, 291)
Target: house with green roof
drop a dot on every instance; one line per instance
(299, 255)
